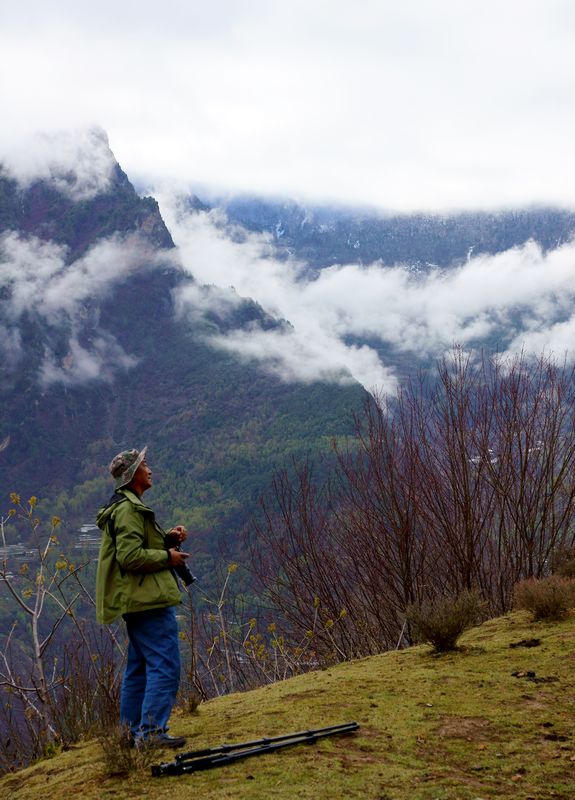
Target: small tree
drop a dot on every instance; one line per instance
(48, 699)
(31, 589)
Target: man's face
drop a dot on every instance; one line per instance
(142, 479)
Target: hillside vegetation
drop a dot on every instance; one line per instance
(493, 719)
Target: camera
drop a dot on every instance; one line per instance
(182, 570)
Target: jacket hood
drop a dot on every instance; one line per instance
(119, 496)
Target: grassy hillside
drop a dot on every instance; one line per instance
(473, 724)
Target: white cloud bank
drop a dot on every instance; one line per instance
(522, 298)
(37, 280)
(312, 349)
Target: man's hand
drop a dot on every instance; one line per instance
(178, 534)
(177, 558)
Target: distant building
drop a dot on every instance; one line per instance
(88, 538)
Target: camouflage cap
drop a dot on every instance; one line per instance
(123, 466)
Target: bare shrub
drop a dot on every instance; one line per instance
(442, 620)
(562, 562)
(193, 702)
(88, 696)
(119, 754)
(547, 598)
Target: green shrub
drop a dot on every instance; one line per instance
(442, 620)
(547, 598)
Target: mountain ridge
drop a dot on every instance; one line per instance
(96, 358)
(89, 288)
(328, 235)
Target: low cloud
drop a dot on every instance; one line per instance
(78, 163)
(294, 356)
(36, 276)
(227, 256)
(100, 362)
(10, 344)
(194, 300)
(522, 299)
(37, 280)
(505, 295)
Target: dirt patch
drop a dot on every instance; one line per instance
(370, 733)
(535, 702)
(354, 761)
(303, 695)
(473, 729)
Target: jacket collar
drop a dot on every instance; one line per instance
(133, 498)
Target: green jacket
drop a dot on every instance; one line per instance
(133, 571)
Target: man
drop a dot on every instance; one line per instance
(136, 580)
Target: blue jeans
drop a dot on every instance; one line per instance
(152, 673)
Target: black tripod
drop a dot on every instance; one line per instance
(226, 753)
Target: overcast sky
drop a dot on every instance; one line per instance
(429, 104)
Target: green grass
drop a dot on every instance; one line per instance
(460, 726)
